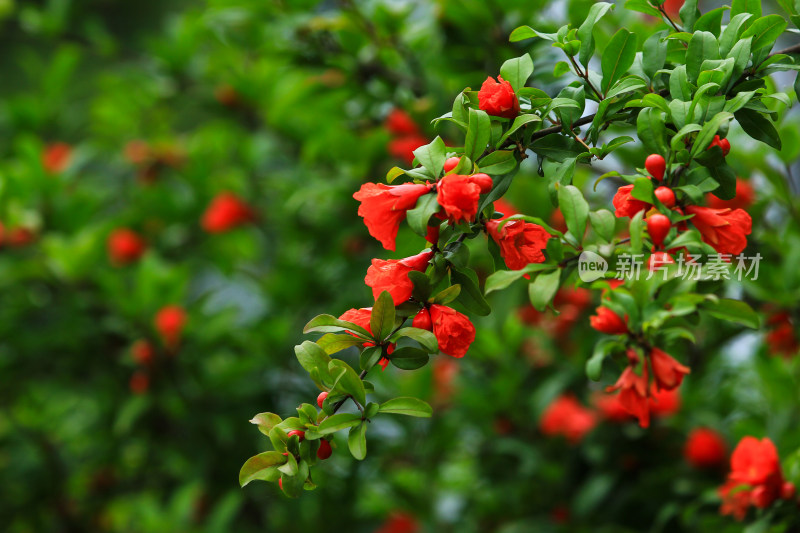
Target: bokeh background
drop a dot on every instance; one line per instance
(138, 114)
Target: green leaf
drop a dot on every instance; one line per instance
(471, 296)
(348, 382)
(332, 343)
(520, 121)
(709, 130)
(765, 31)
(702, 46)
(618, 57)
(575, 209)
(517, 71)
(406, 406)
(732, 32)
(585, 31)
(357, 441)
(711, 21)
(408, 358)
(594, 366)
(265, 422)
(426, 338)
(643, 190)
(732, 311)
(625, 85)
(381, 321)
(293, 484)
(679, 87)
(331, 324)
(654, 53)
(478, 134)
(642, 6)
(752, 7)
(636, 227)
(689, 14)
(314, 360)
(758, 127)
(337, 422)
(503, 278)
(604, 223)
(522, 33)
(432, 155)
(557, 147)
(652, 131)
(261, 467)
(543, 288)
(370, 357)
(418, 217)
(500, 161)
(446, 295)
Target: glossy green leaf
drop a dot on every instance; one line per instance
(357, 441)
(617, 57)
(406, 406)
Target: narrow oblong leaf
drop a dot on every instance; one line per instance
(337, 422)
(381, 321)
(617, 57)
(426, 338)
(406, 406)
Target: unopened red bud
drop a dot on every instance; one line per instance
(280, 483)
(655, 165)
(725, 144)
(484, 181)
(324, 450)
(658, 227)
(665, 196)
(659, 260)
(433, 234)
(423, 320)
(321, 398)
(300, 434)
(451, 163)
(787, 490)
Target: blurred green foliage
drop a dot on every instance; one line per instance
(283, 103)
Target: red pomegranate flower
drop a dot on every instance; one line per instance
(125, 246)
(668, 372)
(705, 448)
(498, 98)
(383, 207)
(608, 322)
(225, 212)
(392, 275)
(458, 196)
(567, 417)
(625, 204)
(56, 157)
(170, 321)
(454, 331)
(521, 243)
(722, 229)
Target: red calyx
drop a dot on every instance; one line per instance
(656, 166)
